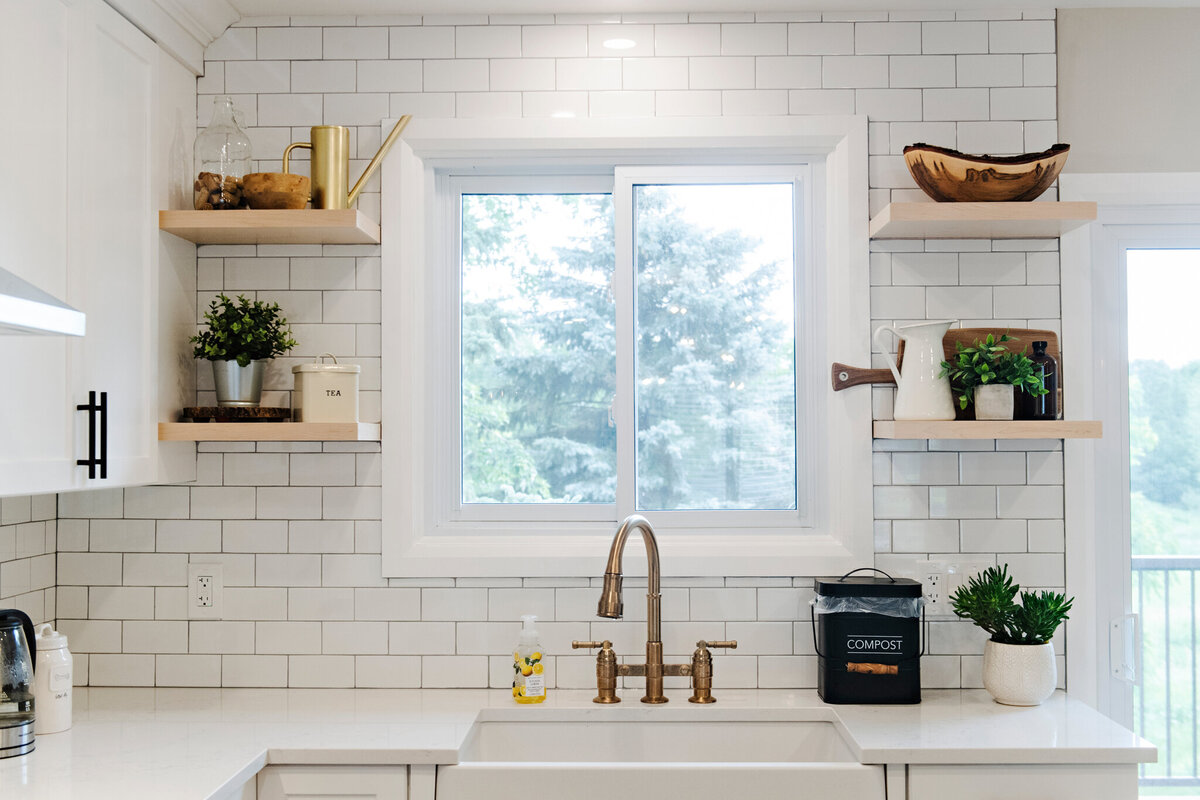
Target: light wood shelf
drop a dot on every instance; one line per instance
(268, 431)
(976, 429)
(1046, 220)
(250, 226)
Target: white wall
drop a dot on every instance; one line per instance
(297, 526)
(1127, 89)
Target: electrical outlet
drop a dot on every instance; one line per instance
(205, 585)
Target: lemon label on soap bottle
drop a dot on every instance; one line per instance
(529, 680)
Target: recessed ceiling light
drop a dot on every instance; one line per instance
(619, 44)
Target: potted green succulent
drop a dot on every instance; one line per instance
(1018, 659)
(988, 373)
(240, 338)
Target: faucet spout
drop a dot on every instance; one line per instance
(612, 607)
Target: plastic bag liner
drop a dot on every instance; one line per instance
(853, 604)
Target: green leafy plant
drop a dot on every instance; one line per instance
(990, 362)
(242, 331)
(989, 600)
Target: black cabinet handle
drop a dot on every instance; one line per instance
(101, 409)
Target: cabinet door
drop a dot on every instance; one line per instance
(332, 783)
(112, 242)
(36, 440)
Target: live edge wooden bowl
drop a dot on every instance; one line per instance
(275, 190)
(949, 176)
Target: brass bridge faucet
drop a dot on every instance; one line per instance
(607, 668)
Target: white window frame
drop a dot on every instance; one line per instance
(419, 540)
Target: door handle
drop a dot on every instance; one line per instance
(95, 410)
(1124, 647)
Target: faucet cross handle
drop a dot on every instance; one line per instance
(702, 670)
(606, 671)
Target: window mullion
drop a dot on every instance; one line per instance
(623, 297)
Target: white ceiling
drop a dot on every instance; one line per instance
(254, 8)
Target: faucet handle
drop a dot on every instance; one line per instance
(577, 645)
(606, 671)
(702, 670)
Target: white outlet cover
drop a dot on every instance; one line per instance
(194, 609)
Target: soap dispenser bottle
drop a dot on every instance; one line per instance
(529, 679)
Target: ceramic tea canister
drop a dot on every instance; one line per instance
(52, 682)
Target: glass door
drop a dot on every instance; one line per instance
(1161, 286)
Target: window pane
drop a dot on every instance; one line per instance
(538, 349)
(715, 344)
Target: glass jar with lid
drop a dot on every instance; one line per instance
(222, 159)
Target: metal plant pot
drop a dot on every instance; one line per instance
(237, 385)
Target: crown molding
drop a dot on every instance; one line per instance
(184, 28)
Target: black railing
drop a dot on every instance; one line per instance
(1164, 596)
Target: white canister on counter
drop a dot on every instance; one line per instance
(52, 680)
(325, 392)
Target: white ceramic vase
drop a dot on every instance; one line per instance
(994, 401)
(1019, 674)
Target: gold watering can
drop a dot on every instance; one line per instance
(330, 147)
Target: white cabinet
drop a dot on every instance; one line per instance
(331, 782)
(85, 138)
(36, 414)
(1027, 781)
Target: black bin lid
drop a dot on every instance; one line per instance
(851, 585)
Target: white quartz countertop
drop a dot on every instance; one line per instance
(194, 744)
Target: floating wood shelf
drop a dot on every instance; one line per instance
(975, 429)
(980, 220)
(268, 431)
(249, 226)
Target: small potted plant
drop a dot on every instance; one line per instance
(987, 374)
(1018, 659)
(241, 337)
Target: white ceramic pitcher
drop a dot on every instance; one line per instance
(920, 393)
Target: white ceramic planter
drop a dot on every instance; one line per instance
(994, 401)
(1019, 674)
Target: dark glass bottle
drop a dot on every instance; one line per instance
(1044, 406)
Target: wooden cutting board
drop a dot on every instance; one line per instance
(1020, 340)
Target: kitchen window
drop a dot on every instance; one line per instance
(577, 332)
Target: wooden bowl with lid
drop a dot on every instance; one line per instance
(949, 176)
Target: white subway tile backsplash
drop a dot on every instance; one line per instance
(219, 637)
(724, 72)
(956, 104)
(487, 41)
(829, 38)
(891, 104)
(954, 37)
(1032, 103)
(890, 38)
(925, 536)
(554, 41)
(254, 671)
(354, 43)
(687, 40)
(821, 101)
(758, 39)
(854, 72)
(962, 502)
(922, 71)
(1021, 37)
(297, 527)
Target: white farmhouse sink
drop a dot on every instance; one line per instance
(694, 759)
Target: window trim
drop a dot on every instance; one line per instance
(416, 545)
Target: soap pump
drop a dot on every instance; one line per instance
(529, 680)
